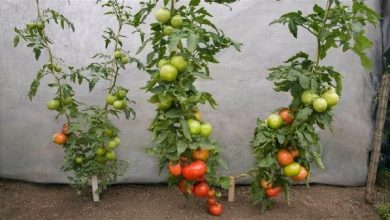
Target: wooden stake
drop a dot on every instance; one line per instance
(95, 194)
(231, 189)
(377, 141)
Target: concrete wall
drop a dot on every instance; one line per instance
(239, 86)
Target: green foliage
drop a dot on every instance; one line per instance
(92, 138)
(198, 41)
(335, 26)
(384, 210)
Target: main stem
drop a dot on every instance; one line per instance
(47, 46)
(319, 46)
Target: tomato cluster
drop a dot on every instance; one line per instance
(193, 180)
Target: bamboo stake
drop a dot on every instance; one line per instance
(232, 187)
(95, 193)
(377, 140)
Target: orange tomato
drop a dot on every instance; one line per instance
(211, 193)
(174, 169)
(200, 154)
(60, 138)
(302, 175)
(284, 157)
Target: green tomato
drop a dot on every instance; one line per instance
(168, 73)
(119, 104)
(162, 62)
(165, 104)
(194, 125)
(53, 104)
(101, 159)
(206, 129)
(109, 132)
(163, 15)
(168, 30)
(118, 54)
(110, 99)
(100, 151)
(176, 21)
(68, 100)
(293, 169)
(125, 60)
(121, 93)
(331, 98)
(320, 105)
(110, 155)
(57, 68)
(31, 26)
(117, 140)
(274, 121)
(112, 144)
(40, 25)
(79, 160)
(307, 97)
(179, 62)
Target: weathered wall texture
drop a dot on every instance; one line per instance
(239, 86)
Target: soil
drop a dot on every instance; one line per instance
(21, 200)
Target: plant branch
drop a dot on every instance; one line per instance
(44, 38)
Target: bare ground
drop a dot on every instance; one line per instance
(21, 200)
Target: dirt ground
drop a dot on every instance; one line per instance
(21, 200)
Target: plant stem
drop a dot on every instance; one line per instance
(173, 5)
(115, 67)
(319, 46)
(44, 38)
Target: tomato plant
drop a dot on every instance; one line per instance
(184, 43)
(89, 138)
(284, 151)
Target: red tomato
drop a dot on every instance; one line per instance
(201, 189)
(194, 170)
(202, 179)
(211, 201)
(272, 192)
(216, 209)
(175, 169)
(183, 186)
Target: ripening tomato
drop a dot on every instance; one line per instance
(287, 116)
(201, 189)
(194, 170)
(302, 175)
(200, 154)
(272, 192)
(60, 138)
(216, 209)
(211, 193)
(65, 129)
(183, 187)
(265, 184)
(174, 169)
(294, 152)
(284, 157)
